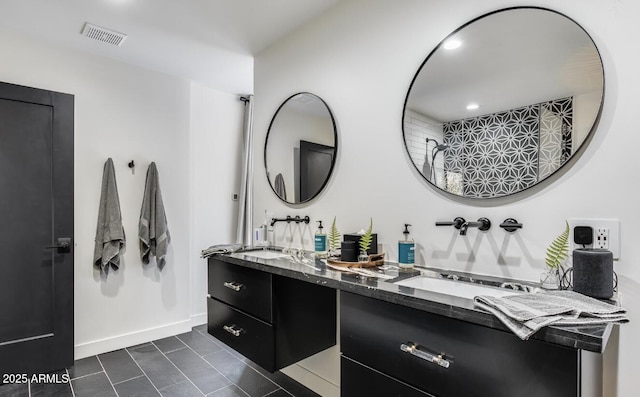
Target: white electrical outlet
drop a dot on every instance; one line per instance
(601, 238)
(606, 234)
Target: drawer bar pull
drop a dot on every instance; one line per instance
(232, 330)
(233, 285)
(415, 350)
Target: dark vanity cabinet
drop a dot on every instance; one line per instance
(272, 320)
(392, 350)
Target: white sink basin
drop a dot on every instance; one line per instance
(455, 288)
(265, 254)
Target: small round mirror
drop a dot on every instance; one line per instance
(300, 149)
(503, 102)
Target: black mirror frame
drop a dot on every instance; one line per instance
(335, 140)
(549, 178)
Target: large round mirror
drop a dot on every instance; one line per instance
(300, 150)
(503, 102)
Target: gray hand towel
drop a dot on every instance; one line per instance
(153, 234)
(220, 249)
(525, 314)
(280, 187)
(110, 239)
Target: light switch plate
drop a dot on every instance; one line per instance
(598, 225)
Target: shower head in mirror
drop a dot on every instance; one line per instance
(439, 146)
(442, 147)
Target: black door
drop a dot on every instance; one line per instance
(36, 213)
(315, 166)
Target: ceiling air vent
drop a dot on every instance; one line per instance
(103, 34)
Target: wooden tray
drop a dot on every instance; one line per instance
(374, 260)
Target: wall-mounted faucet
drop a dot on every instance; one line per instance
(509, 225)
(289, 219)
(482, 224)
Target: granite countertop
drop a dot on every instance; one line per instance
(591, 338)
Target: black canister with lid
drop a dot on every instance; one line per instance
(348, 251)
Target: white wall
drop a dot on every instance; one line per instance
(128, 113)
(216, 143)
(360, 58)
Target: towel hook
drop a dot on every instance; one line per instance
(132, 166)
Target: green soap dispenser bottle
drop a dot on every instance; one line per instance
(320, 241)
(406, 249)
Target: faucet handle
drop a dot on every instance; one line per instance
(457, 223)
(511, 225)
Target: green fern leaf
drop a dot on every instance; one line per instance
(365, 240)
(334, 236)
(559, 249)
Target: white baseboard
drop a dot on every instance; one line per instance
(311, 380)
(100, 346)
(198, 319)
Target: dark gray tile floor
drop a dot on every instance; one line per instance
(191, 364)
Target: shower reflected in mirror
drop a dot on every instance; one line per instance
(430, 169)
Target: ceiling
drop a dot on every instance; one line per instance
(212, 42)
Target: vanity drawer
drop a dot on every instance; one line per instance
(477, 361)
(358, 380)
(249, 336)
(246, 289)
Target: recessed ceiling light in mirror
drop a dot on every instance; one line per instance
(451, 44)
